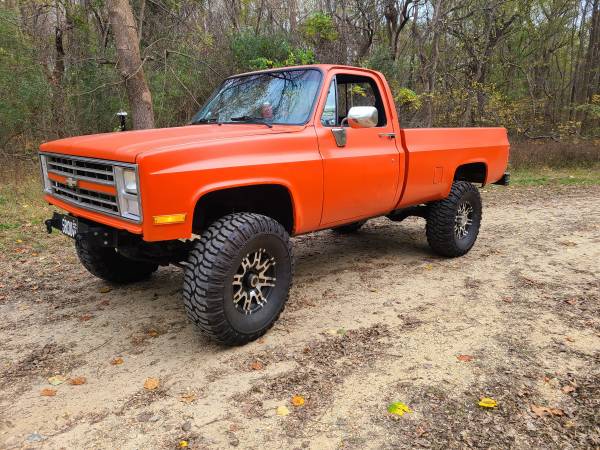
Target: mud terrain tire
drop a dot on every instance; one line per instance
(107, 264)
(453, 223)
(237, 278)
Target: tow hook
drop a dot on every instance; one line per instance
(48, 226)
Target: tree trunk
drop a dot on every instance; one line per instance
(130, 63)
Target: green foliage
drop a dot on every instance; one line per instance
(252, 52)
(408, 97)
(319, 27)
(24, 91)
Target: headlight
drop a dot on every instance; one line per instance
(45, 179)
(127, 193)
(130, 181)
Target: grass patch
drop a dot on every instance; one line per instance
(553, 176)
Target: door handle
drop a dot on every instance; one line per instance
(388, 135)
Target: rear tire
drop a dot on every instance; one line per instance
(453, 223)
(349, 228)
(107, 264)
(238, 277)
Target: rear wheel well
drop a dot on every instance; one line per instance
(271, 200)
(473, 172)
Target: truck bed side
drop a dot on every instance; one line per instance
(433, 156)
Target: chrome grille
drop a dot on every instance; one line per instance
(90, 199)
(81, 169)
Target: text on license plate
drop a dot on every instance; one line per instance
(69, 226)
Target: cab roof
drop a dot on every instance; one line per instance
(322, 67)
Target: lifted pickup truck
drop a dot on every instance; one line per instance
(270, 155)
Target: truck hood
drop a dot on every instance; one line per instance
(126, 146)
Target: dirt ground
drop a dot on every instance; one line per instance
(373, 318)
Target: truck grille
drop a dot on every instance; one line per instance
(90, 199)
(80, 169)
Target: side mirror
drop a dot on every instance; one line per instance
(363, 117)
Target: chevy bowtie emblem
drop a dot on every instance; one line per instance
(71, 182)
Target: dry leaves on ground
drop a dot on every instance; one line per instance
(398, 408)
(48, 392)
(151, 383)
(77, 381)
(188, 397)
(282, 411)
(257, 365)
(487, 402)
(117, 361)
(465, 358)
(56, 380)
(542, 411)
(297, 400)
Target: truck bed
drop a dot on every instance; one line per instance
(432, 154)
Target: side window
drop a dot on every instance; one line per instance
(329, 117)
(359, 91)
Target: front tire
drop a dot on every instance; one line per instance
(453, 223)
(106, 263)
(238, 276)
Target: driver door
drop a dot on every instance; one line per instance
(360, 178)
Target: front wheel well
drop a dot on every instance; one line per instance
(473, 172)
(271, 200)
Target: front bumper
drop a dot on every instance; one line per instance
(96, 234)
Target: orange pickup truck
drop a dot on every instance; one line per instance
(270, 155)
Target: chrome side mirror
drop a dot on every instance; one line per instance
(363, 117)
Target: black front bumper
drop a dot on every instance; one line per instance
(98, 235)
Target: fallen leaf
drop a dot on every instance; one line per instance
(542, 411)
(48, 392)
(19, 241)
(297, 400)
(105, 289)
(188, 397)
(85, 317)
(398, 408)
(117, 361)
(570, 424)
(428, 266)
(183, 443)
(568, 388)
(152, 333)
(257, 365)
(487, 402)
(151, 383)
(569, 338)
(282, 411)
(56, 380)
(465, 358)
(77, 381)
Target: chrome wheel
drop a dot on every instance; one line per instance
(463, 220)
(254, 281)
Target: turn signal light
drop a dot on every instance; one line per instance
(169, 219)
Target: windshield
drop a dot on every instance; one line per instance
(283, 97)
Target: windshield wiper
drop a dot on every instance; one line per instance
(205, 120)
(250, 119)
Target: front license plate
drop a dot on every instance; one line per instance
(69, 226)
